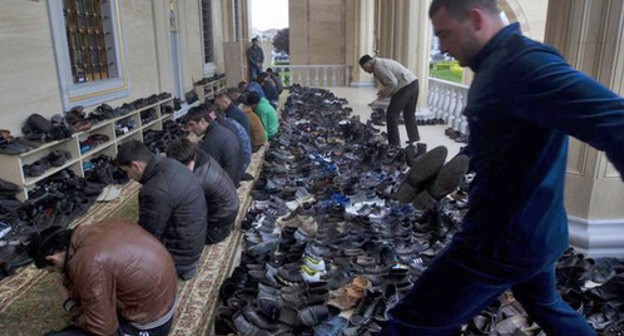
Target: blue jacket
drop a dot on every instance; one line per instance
(237, 114)
(524, 100)
(253, 86)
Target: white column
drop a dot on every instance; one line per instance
(365, 40)
(418, 43)
(590, 35)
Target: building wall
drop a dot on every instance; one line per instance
(29, 81)
(318, 31)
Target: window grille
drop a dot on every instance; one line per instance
(89, 39)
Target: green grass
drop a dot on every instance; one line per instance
(445, 74)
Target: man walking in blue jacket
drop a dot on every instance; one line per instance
(523, 102)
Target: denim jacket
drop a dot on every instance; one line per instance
(524, 100)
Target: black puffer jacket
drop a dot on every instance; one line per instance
(172, 208)
(223, 145)
(219, 190)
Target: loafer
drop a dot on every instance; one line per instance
(424, 201)
(449, 177)
(255, 317)
(245, 327)
(406, 193)
(314, 315)
(426, 166)
(332, 327)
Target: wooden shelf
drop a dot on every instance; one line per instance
(12, 165)
(32, 180)
(127, 135)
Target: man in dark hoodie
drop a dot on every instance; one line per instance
(219, 190)
(171, 204)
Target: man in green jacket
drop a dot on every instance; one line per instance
(265, 112)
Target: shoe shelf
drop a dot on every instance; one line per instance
(11, 165)
(31, 181)
(210, 89)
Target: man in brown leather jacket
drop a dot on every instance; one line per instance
(117, 279)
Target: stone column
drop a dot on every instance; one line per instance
(590, 35)
(365, 40)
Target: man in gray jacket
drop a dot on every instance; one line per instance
(255, 58)
(402, 86)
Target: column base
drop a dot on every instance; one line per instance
(597, 238)
(421, 113)
(363, 84)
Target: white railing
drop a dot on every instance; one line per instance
(447, 101)
(314, 75)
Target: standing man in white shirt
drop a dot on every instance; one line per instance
(401, 85)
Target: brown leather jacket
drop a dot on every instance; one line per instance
(116, 268)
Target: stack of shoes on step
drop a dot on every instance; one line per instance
(77, 120)
(430, 179)
(40, 129)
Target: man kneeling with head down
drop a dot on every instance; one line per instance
(219, 190)
(117, 279)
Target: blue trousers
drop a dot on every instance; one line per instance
(254, 71)
(456, 287)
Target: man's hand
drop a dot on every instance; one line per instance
(62, 288)
(381, 95)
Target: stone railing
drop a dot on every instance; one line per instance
(447, 101)
(314, 75)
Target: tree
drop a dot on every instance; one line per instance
(281, 41)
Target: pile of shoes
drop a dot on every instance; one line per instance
(77, 119)
(125, 125)
(191, 97)
(328, 249)
(148, 116)
(456, 135)
(430, 121)
(378, 117)
(40, 129)
(158, 140)
(207, 80)
(15, 145)
(93, 141)
(56, 158)
(430, 179)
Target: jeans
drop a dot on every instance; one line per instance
(124, 329)
(254, 71)
(187, 272)
(403, 100)
(456, 287)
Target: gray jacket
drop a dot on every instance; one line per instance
(392, 75)
(255, 55)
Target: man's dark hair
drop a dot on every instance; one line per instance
(133, 150)
(460, 8)
(48, 242)
(242, 85)
(255, 39)
(263, 75)
(269, 70)
(365, 59)
(253, 98)
(200, 112)
(182, 150)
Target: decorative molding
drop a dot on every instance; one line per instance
(579, 167)
(597, 238)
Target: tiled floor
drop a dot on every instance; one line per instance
(360, 97)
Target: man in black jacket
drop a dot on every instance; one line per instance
(219, 190)
(171, 204)
(221, 143)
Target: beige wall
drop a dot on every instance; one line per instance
(29, 81)
(318, 31)
(531, 14)
(28, 70)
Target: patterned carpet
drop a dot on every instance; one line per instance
(30, 301)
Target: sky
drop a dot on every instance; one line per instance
(267, 14)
